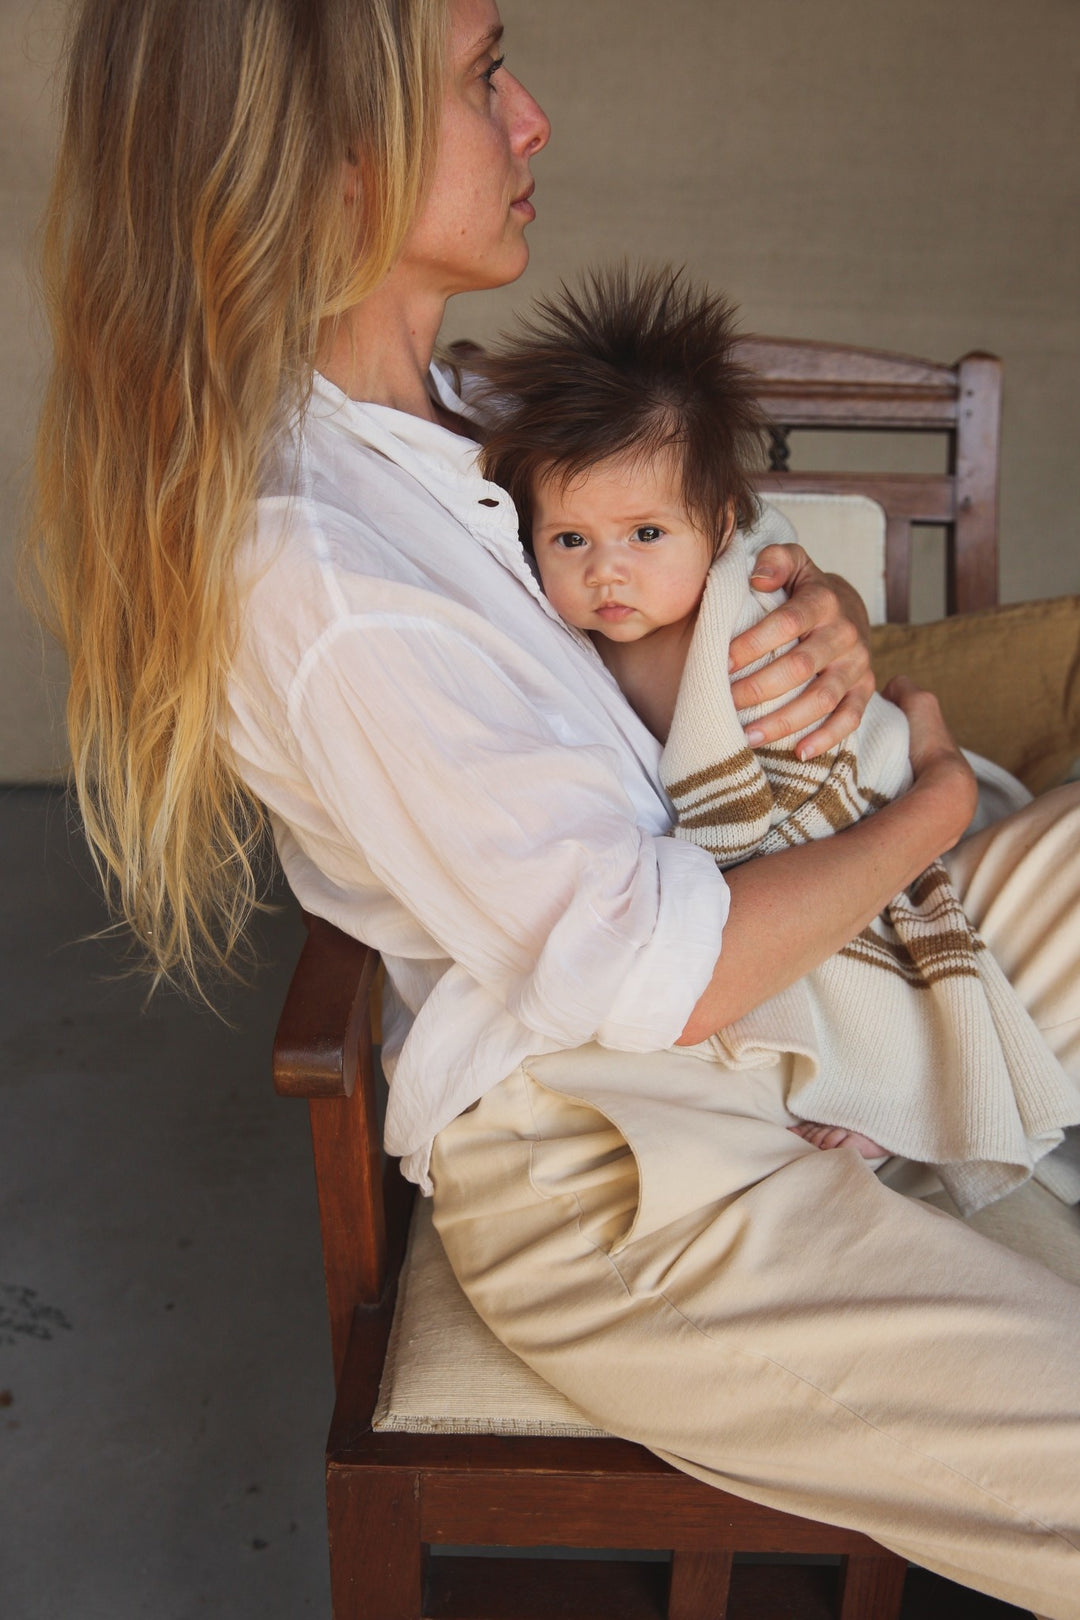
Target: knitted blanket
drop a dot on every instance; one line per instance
(912, 1034)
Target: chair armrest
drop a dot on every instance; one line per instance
(326, 1019)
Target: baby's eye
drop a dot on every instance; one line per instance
(648, 532)
(569, 540)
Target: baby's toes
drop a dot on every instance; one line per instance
(820, 1136)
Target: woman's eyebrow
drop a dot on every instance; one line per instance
(488, 40)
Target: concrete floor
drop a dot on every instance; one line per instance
(164, 1365)
(164, 1359)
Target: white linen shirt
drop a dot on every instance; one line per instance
(451, 773)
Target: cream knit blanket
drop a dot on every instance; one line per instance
(911, 1034)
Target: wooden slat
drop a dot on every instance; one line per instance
(570, 1510)
(872, 1588)
(897, 569)
(843, 365)
(877, 410)
(700, 1583)
(919, 497)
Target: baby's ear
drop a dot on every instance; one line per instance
(725, 527)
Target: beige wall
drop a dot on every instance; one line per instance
(903, 174)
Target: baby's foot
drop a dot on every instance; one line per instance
(834, 1136)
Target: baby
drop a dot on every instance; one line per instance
(626, 434)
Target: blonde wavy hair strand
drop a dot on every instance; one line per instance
(196, 243)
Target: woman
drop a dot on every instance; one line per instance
(245, 190)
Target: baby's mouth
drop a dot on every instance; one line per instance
(613, 611)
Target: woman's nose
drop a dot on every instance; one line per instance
(531, 128)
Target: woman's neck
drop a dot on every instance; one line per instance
(380, 350)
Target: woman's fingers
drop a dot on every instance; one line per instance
(813, 605)
(823, 626)
(838, 717)
(832, 666)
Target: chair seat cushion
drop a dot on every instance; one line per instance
(446, 1373)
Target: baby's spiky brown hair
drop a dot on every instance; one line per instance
(626, 362)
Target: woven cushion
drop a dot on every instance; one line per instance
(845, 534)
(446, 1373)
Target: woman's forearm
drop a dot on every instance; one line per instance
(791, 910)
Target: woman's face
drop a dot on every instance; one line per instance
(470, 232)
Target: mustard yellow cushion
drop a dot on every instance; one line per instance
(1007, 678)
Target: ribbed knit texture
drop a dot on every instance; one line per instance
(911, 1034)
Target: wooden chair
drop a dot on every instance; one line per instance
(391, 1496)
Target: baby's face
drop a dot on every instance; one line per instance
(617, 551)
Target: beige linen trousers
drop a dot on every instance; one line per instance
(646, 1232)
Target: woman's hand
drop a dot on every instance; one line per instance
(942, 774)
(826, 618)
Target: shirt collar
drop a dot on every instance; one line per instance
(443, 462)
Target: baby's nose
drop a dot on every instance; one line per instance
(606, 566)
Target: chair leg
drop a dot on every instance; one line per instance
(871, 1588)
(376, 1556)
(699, 1585)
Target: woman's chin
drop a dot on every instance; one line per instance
(498, 269)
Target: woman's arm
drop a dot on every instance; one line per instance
(826, 619)
(791, 910)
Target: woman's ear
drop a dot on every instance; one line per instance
(350, 179)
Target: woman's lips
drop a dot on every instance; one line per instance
(522, 205)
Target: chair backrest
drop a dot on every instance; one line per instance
(323, 1048)
(823, 386)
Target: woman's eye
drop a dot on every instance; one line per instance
(569, 540)
(490, 72)
(648, 532)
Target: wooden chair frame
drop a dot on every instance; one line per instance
(835, 387)
(391, 1497)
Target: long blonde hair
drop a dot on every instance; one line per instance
(196, 240)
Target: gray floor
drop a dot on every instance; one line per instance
(164, 1365)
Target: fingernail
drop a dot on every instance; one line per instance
(763, 573)
(755, 737)
(806, 751)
